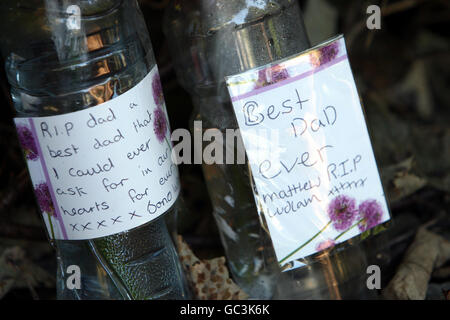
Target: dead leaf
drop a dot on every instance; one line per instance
(209, 279)
(427, 252)
(406, 184)
(401, 181)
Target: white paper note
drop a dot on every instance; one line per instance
(106, 169)
(310, 153)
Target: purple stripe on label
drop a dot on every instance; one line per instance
(47, 178)
(287, 81)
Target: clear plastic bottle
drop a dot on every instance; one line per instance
(58, 63)
(210, 40)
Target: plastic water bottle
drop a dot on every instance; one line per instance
(210, 40)
(70, 59)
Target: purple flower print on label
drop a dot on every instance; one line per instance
(45, 202)
(158, 94)
(160, 124)
(27, 142)
(44, 199)
(325, 54)
(370, 214)
(342, 212)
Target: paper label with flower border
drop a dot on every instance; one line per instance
(315, 177)
(103, 170)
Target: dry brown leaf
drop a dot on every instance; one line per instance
(401, 181)
(428, 251)
(406, 184)
(209, 279)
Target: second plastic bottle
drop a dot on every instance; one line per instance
(210, 40)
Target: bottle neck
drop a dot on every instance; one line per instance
(247, 37)
(103, 54)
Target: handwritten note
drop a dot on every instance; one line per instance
(106, 169)
(308, 146)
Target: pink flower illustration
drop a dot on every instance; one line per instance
(370, 214)
(160, 124)
(342, 212)
(158, 94)
(44, 199)
(325, 54)
(26, 139)
(325, 245)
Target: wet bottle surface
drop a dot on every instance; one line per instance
(210, 40)
(58, 63)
